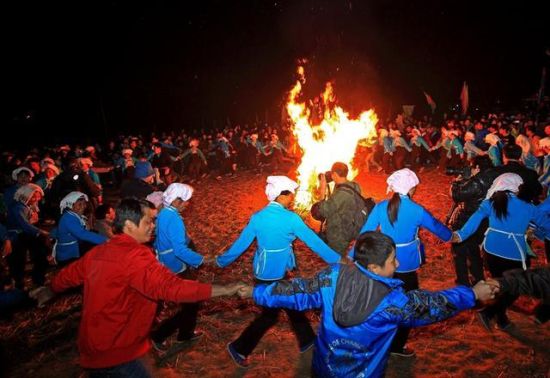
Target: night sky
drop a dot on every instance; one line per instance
(97, 67)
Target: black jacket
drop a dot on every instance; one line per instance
(532, 282)
(469, 193)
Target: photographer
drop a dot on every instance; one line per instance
(338, 210)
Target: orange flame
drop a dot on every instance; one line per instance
(334, 138)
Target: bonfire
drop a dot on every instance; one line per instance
(325, 134)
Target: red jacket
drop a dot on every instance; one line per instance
(122, 284)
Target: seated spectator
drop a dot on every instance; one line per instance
(142, 184)
(72, 229)
(104, 217)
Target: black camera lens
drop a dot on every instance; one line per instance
(328, 176)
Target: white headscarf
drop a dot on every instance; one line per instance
(402, 181)
(155, 198)
(383, 133)
(24, 193)
(524, 143)
(506, 181)
(469, 136)
(53, 167)
(276, 184)
(70, 199)
(17, 171)
(545, 142)
(395, 133)
(492, 139)
(175, 191)
(127, 151)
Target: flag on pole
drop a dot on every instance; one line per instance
(431, 102)
(541, 88)
(464, 98)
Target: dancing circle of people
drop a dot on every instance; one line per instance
(138, 254)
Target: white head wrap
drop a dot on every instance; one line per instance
(545, 142)
(395, 133)
(524, 143)
(70, 199)
(127, 151)
(506, 181)
(155, 198)
(87, 161)
(46, 161)
(492, 139)
(383, 133)
(194, 143)
(17, 171)
(24, 193)
(276, 184)
(469, 136)
(415, 131)
(402, 181)
(53, 167)
(175, 191)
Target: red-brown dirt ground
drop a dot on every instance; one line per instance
(42, 342)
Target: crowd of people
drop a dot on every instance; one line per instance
(110, 218)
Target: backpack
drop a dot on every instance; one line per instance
(363, 208)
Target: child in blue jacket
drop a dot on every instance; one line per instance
(362, 307)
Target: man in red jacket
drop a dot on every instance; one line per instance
(122, 284)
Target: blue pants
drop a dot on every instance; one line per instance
(130, 369)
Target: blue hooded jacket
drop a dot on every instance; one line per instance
(360, 314)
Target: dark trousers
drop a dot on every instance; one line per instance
(497, 266)
(185, 320)
(130, 369)
(386, 162)
(415, 158)
(252, 335)
(399, 157)
(18, 258)
(467, 259)
(410, 281)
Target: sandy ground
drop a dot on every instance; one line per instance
(42, 342)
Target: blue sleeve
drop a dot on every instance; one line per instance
(81, 233)
(372, 221)
(297, 294)
(182, 251)
(425, 307)
(424, 144)
(435, 226)
(310, 238)
(473, 223)
(239, 246)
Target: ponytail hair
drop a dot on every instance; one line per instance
(500, 203)
(393, 207)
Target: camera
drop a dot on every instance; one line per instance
(328, 176)
(465, 172)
